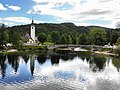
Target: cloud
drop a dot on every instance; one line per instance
(14, 8)
(30, 12)
(33, 12)
(96, 12)
(103, 1)
(81, 10)
(118, 24)
(2, 7)
(18, 20)
(9, 23)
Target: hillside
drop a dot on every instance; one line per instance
(47, 28)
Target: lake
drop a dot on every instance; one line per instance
(46, 71)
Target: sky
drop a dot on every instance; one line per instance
(105, 13)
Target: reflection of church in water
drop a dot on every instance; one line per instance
(32, 63)
(14, 62)
(30, 38)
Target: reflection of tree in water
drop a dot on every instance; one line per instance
(41, 59)
(55, 59)
(3, 65)
(84, 55)
(116, 62)
(67, 57)
(97, 63)
(14, 61)
(87, 58)
(26, 58)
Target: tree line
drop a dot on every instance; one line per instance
(96, 36)
(70, 34)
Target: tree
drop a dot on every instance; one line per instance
(42, 37)
(15, 38)
(63, 39)
(74, 38)
(55, 37)
(97, 36)
(82, 39)
(118, 41)
(114, 36)
(49, 38)
(66, 39)
(4, 36)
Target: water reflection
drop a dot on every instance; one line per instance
(55, 59)
(41, 59)
(97, 63)
(13, 60)
(26, 58)
(3, 65)
(32, 63)
(116, 63)
(58, 68)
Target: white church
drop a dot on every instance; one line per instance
(30, 39)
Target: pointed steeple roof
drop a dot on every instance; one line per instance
(32, 21)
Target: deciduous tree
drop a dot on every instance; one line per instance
(55, 37)
(97, 36)
(42, 37)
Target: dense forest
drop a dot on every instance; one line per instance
(64, 33)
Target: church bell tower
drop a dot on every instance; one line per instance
(32, 31)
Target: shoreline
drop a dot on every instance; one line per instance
(12, 50)
(105, 53)
(80, 50)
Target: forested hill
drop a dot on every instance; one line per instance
(79, 34)
(47, 28)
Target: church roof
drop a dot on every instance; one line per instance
(27, 37)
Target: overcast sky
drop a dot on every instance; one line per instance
(80, 12)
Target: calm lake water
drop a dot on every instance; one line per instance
(38, 71)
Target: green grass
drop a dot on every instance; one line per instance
(30, 48)
(61, 50)
(41, 52)
(48, 43)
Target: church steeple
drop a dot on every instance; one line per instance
(32, 31)
(32, 21)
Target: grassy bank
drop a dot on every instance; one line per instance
(33, 48)
(40, 52)
(23, 49)
(62, 50)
